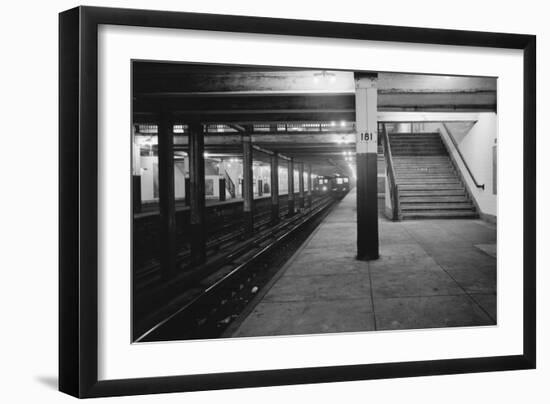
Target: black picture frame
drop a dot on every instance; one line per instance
(78, 206)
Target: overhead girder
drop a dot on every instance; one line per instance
(186, 78)
(329, 107)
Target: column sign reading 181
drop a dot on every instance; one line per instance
(366, 142)
(366, 137)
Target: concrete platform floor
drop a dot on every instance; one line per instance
(431, 273)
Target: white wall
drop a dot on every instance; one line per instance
(147, 170)
(283, 179)
(215, 186)
(181, 170)
(476, 145)
(147, 179)
(29, 88)
(261, 173)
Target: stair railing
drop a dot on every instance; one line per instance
(229, 184)
(455, 144)
(394, 191)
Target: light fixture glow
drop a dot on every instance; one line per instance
(324, 75)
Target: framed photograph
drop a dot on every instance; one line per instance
(252, 201)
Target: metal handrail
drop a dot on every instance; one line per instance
(230, 185)
(455, 144)
(394, 191)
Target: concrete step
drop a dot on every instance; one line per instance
(416, 147)
(427, 180)
(424, 169)
(450, 214)
(406, 199)
(410, 162)
(404, 148)
(403, 142)
(441, 157)
(414, 159)
(398, 141)
(404, 168)
(429, 187)
(417, 161)
(431, 193)
(400, 149)
(412, 140)
(396, 145)
(414, 135)
(425, 175)
(418, 153)
(437, 206)
(394, 136)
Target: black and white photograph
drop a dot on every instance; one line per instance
(275, 202)
(278, 201)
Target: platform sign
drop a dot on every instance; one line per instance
(367, 142)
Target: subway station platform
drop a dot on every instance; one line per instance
(431, 273)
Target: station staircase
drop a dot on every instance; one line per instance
(428, 185)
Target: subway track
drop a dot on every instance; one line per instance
(203, 301)
(221, 238)
(224, 223)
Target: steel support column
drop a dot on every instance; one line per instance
(248, 190)
(274, 188)
(290, 187)
(196, 193)
(367, 155)
(221, 188)
(167, 202)
(136, 193)
(309, 199)
(301, 193)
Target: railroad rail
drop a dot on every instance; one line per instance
(215, 293)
